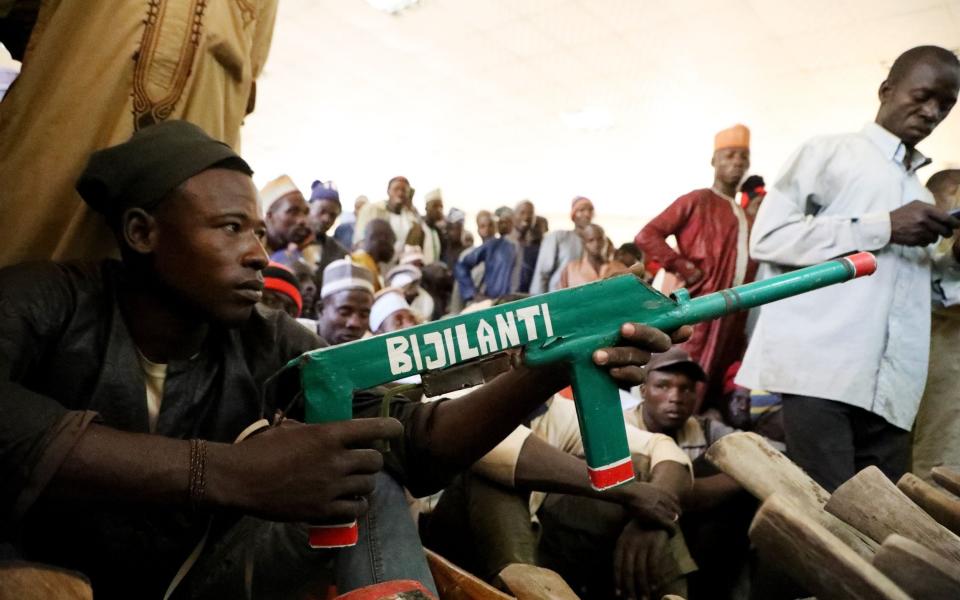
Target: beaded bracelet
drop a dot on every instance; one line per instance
(198, 472)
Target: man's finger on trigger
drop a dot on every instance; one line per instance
(682, 334)
(621, 356)
(650, 338)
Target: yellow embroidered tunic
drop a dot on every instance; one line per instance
(93, 72)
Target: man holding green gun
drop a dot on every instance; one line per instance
(90, 485)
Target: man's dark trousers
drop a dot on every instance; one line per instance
(832, 441)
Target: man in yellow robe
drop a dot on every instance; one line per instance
(94, 72)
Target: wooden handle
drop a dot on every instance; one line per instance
(456, 584)
(944, 508)
(763, 470)
(948, 478)
(920, 572)
(871, 503)
(34, 581)
(786, 535)
(528, 582)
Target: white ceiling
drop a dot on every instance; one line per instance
(470, 95)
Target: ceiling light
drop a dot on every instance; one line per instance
(392, 7)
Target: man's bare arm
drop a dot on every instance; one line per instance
(544, 468)
(468, 427)
(295, 472)
(710, 491)
(673, 478)
(639, 553)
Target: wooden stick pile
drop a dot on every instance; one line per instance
(869, 540)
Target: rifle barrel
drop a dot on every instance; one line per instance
(724, 302)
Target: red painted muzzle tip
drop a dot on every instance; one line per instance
(333, 536)
(603, 478)
(864, 263)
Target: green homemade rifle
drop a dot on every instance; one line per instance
(565, 326)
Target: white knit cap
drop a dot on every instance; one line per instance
(344, 274)
(411, 254)
(456, 216)
(401, 275)
(276, 189)
(387, 302)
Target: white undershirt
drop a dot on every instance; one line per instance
(154, 375)
(743, 252)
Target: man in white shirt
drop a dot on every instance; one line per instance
(560, 247)
(395, 210)
(851, 360)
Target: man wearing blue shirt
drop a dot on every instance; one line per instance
(500, 257)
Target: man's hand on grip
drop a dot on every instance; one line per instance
(318, 473)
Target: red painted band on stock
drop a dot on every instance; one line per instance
(334, 536)
(612, 475)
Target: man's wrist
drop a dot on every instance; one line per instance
(624, 494)
(223, 484)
